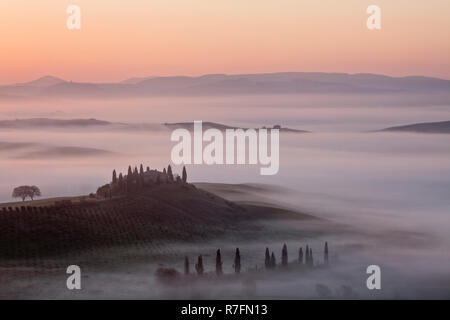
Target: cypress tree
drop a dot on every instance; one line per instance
(300, 255)
(169, 173)
(267, 259)
(141, 170)
(186, 265)
(311, 260)
(325, 253)
(199, 265)
(284, 256)
(114, 177)
(136, 178)
(184, 174)
(120, 181)
(237, 261)
(307, 255)
(273, 261)
(129, 180)
(218, 263)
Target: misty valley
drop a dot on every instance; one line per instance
(374, 193)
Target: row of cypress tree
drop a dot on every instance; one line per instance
(269, 262)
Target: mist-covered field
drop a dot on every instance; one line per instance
(389, 191)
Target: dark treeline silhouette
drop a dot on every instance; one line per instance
(137, 179)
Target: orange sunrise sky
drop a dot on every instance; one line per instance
(122, 39)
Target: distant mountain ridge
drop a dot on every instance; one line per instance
(218, 84)
(36, 123)
(425, 127)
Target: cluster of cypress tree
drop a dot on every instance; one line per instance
(199, 268)
(136, 180)
(269, 261)
(303, 257)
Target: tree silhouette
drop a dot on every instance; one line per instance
(129, 180)
(218, 263)
(307, 255)
(26, 191)
(300, 255)
(267, 259)
(34, 192)
(311, 260)
(120, 183)
(273, 261)
(114, 177)
(186, 265)
(325, 253)
(148, 169)
(141, 170)
(169, 173)
(237, 261)
(199, 265)
(284, 256)
(184, 174)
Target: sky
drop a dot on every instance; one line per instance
(133, 38)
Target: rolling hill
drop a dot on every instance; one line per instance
(425, 127)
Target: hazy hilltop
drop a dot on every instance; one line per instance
(425, 127)
(44, 81)
(217, 84)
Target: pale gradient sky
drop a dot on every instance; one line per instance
(121, 39)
